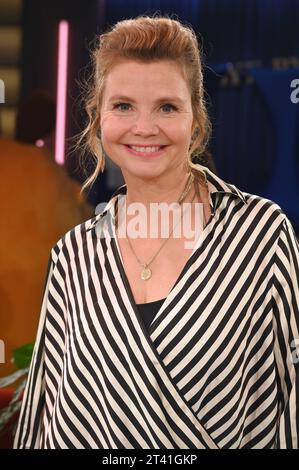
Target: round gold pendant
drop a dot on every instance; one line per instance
(145, 274)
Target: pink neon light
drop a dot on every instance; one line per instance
(63, 36)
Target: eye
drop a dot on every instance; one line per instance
(117, 106)
(169, 105)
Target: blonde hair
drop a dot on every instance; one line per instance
(145, 39)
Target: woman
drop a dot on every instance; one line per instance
(146, 342)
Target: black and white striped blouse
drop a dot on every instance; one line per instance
(218, 366)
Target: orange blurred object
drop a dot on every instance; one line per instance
(39, 204)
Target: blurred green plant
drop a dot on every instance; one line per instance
(22, 356)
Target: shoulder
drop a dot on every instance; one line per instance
(260, 202)
(263, 217)
(255, 213)
(264, 209)
(75, 239)
(248, 205)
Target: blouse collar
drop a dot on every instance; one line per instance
(215, 186)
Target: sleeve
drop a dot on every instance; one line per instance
(285, 296)
(29, 424)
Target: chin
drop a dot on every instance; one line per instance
(146, 174)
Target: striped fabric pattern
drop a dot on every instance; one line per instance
(218, 367)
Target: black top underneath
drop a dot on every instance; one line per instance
(148, 311)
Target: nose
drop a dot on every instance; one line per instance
(145, 125)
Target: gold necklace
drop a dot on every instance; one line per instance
(146, 272)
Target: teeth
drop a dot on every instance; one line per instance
(145, 149)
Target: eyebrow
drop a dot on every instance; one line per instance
(160, 100)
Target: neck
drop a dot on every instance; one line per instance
(153, 192)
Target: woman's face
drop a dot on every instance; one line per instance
(146, 104)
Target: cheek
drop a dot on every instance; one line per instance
(111, 129)
(181, 135)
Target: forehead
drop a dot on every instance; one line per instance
(128, 76)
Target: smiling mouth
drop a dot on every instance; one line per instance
(146, 148)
